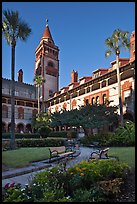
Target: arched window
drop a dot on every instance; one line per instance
(97, 100)
(5, 111)
(93, 101)
(20, 113)
(86, 102)
(34, 112)
(20, 128)
(104, 98)
(50, 64)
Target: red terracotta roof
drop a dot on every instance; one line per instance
(120, 59)
(100, 69)
(86, 77)
(47, 33)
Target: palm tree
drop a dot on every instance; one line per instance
(13, 29)
(39, 81)
(118, 40)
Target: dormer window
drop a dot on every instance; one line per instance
(97, 75)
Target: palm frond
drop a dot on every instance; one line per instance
(39, 80)
(24, 31)
(13, 27)
(108, 53)
(109, 42)
(118, 40)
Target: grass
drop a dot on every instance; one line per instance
(125, 154)
(24, 156)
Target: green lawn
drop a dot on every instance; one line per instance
(125, 154)
(23, 156)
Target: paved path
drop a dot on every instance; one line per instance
(25, 178)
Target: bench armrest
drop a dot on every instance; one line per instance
(68, 149)
(52, 152)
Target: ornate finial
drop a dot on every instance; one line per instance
(46, 22)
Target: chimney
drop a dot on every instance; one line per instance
(20, 75)
(74, 76)
(132, 46)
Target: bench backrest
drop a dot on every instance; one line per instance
(104, 152)
(58, 149)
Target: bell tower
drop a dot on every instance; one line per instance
(47, 64)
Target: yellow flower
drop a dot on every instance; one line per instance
(81, 174)
(84, 168)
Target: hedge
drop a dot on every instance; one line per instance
(43, 142)
(20, 135)
(64, 134)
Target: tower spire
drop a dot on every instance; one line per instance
(47, 35)
(47, 22)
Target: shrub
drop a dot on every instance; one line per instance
(44, 131)
(5, 145)
(94, 194)
(96, 180)
(65, 134)
(58, 134)
(125, 135)
(20, 135)
(88, 173)
(104, 139)
(43, 142)
(52, 184)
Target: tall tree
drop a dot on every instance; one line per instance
(39, 81)
(13, 29)
(89, 116)
(118, 40)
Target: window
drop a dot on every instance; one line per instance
(50, 64)
(93, 101)
(104, 98)
(4, 100)
(88, 89)
(16, 93)
(50, 93)
(20, 113)
(97, 100)
(4, 111)
(29, 104)
(127, 95)
(86, 101)
(97, 75)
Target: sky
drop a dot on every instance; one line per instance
(79, 29)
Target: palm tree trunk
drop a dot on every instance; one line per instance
(119, 90)
(42, 83)
(12, 140)
(38, 98)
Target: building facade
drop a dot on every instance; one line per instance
(99, 88)
(25, 104)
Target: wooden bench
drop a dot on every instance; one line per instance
(60, 152)
(100, 154)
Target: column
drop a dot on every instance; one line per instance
(91, 88)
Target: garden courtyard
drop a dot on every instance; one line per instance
(24, 156)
